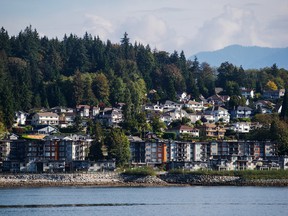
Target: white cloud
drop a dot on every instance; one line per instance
(99, 26)
(147, 29)
(233, 26)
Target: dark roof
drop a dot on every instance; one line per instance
(244, 108)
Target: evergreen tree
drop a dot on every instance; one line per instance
(96, 149)
(4, 41)
(88, 95)
(101, 88)
(127, 110)
(125, 45)
(117, 91)
(118, 146)
(6, 105)
(78, 88)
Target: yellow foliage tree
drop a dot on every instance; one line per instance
(271, 85)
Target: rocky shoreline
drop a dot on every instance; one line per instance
(113, 179)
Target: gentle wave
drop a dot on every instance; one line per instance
(127, 204)
(69, 205)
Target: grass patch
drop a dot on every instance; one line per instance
(140, 171)
(245, 174)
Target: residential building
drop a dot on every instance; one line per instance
(199, 151)
(169, 105)
(178, 151)
(60, 109)
(194, 105)
(58, 148)
(20, 118)
(45, 129)
(242, 112)
(12, 150)
(153, 107)
(218, 100)
(87, 111)
(183, 129)
(137, 150)
(219, 113)
(183, 97)
(111, 116)
(276, 94)
(195, 117)
(212, 131)
(264, 106)
(241, 127)
(247, 93)
(155, 152)
(45, 118)
(66, 119)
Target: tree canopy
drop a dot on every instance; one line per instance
(39, 72)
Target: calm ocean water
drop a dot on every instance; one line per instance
(158, 201)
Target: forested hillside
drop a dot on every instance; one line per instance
(40, 72)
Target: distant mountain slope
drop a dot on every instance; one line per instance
(248, 57)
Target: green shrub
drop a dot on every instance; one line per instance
(169, 135)
(245, 174)
(141, 171)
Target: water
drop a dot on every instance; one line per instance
(144, 201)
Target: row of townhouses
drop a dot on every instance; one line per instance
(42, 153)
(228, 155)
(69, 153)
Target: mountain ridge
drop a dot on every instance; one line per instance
(249, 57)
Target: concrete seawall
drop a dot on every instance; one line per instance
(113, 179)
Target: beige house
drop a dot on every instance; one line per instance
(212, 130)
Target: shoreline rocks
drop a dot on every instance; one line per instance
(114, 179)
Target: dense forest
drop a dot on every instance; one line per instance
(40, 72)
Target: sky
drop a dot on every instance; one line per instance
(168, 25)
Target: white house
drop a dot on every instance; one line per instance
(189, 130)
(219, 113)
(153, 107)
(183, 129)
(45, 118)
(242, 112)
(20, 118)
(173, 115)
(241, 127)
(194, 105)
(169, 105)
(111, 116)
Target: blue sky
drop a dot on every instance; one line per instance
(168, 25)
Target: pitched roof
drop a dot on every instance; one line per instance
(244, 108)
(191, 102)
(48, 114)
